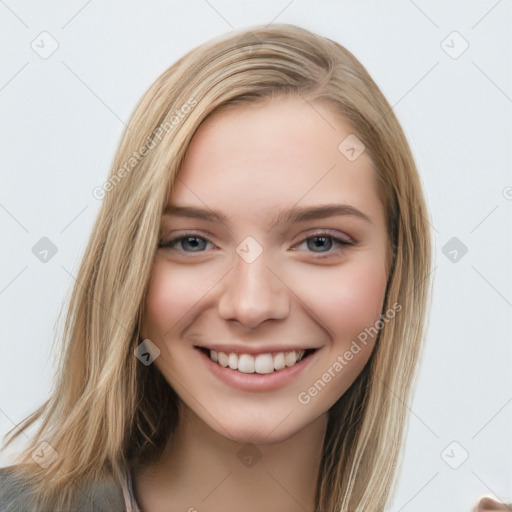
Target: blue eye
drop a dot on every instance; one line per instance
(323, 244)
(196, 243)
(327, 244)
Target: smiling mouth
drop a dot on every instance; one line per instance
(262, 364)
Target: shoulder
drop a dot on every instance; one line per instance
(99, 496)
(13, 491)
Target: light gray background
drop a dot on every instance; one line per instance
(62, 117)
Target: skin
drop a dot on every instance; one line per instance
(488, 504)
(249, 164)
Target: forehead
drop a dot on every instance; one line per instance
(268, 155)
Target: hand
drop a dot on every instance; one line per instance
(489, 504)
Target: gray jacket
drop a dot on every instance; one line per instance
(100, 496)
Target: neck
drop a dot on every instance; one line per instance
(200, 469)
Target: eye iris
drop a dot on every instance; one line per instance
(325, 243)
(196, 242)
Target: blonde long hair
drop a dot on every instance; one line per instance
(107, 410)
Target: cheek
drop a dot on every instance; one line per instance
(172, 294)
(348, 299)
(363, 295)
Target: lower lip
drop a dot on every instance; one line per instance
(257, 381)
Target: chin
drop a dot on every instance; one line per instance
(257, 436)
(255, 430)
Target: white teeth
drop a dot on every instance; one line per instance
(262, 363)
(290, 358)
(223, 359)
(279, 362)
(233, 361)
(246, 364)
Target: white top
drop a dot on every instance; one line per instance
(129, 498)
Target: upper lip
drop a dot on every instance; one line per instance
(244, 349)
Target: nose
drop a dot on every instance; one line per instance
(253, 293)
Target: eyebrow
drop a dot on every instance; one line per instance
(291, 215)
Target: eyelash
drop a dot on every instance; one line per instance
(320, 255)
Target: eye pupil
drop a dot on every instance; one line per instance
(323, 245)
(196, 242)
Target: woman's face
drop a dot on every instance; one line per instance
(250, 265)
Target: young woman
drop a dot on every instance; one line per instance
(248, 318)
